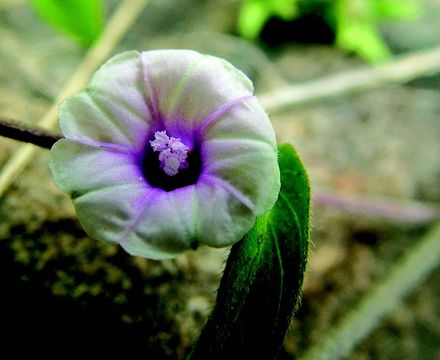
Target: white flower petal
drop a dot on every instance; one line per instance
(132, 215)
(206, 213)
(106, 213)
(186, 87)
(161, 225)
(113, 108)
(244, 119)
(248, 165)
(240, 147)
(224, 218)
(78, 168)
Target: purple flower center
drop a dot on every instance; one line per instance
(169, 164)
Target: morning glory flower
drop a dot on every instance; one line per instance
(166, 150)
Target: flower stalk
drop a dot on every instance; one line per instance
(261, 284)
(31, 134)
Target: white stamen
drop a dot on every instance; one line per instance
(172, 152)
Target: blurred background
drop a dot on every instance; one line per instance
(372, 152)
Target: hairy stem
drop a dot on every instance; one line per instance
(31, 134)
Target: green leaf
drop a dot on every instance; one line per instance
(364, 39)
(357, 30)
(82, 20)
(285, 9)
(263, 276)
(252, 17)
(397, 9)
(254, 13)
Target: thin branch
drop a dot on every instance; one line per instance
(121, 21)
(409, 273)
(31, 134)
(401, 211)
(404, 69)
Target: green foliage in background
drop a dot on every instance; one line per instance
(80, 19)
(254, 13)
(355, 22)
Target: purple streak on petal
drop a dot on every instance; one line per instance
(231, 189)
(223, 109)
(101, 145)
(141, 208)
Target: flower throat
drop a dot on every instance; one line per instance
(169, 164)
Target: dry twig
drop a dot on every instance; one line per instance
(404, 69)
